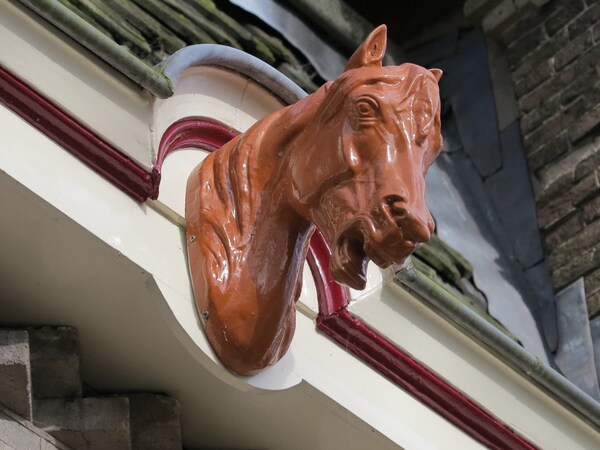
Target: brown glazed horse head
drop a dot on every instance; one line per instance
(349, 159)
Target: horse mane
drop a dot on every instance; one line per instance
(231, 173)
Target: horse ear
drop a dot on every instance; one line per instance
(437, 73)
(372, 51)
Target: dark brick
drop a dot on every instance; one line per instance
(575, 246)
(563, 16)
(569, 188)
(536, 97)
(501, 16)
(574, 195)
(556, 188)
(554, 212)
(15, 382)
(585, 124)
(593, 304)
(55, 365)
(585, 21)
(592, 282)
(549, 88)
(527, 23)
(571, 51)
(511, 33)
(556, 207)
(548, 152)
(554, 126)
(591, 210)
(564, 231)
(576, 265)
(596, 33)
(544, 133)
(474, 11)
(588, 60)
(579, 86)
(155, 422)
(587, 63)
(545, 51)
(538, 115)
(585, 166)
(534, 78)
(522, 71)
(567, 75)
(86, 423)
(526, 44)
(584, 189)
(592, 95)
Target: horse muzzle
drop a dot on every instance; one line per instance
(416, 228)
(386, 235)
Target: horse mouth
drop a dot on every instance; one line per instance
(351, 255)
(348, 264)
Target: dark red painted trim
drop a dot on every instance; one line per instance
(332, 296)
(421, 383)
(74, 137)
(333, 320)
(196, 132)
(336, 322)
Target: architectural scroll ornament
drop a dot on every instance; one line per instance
(349, 159)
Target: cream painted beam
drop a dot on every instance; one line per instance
(77, 81)
(471, 368)
(338, 390)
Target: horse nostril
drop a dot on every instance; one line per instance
(398, 213)
(393, 198)
(395, 205)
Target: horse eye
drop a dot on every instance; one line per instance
(366, 108)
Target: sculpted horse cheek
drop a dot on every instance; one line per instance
(380, 210)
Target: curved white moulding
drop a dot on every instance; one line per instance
(231, 99)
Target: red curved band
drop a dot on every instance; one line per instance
(196, 132)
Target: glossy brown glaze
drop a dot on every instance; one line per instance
(349, 159)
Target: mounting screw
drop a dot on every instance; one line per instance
(192, 238)
(205, 315)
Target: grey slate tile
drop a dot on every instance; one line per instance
(465, 220)
(512, 195)
(539, 279)
(436, 49)
(452, 142)
(326, 59)
(595, 331)
(575, 354)
(467, 85)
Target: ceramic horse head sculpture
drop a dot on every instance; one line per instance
(349, 159)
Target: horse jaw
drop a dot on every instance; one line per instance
(348, 263)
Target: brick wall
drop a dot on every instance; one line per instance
(554, 56)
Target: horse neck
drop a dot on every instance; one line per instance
(277, 223)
